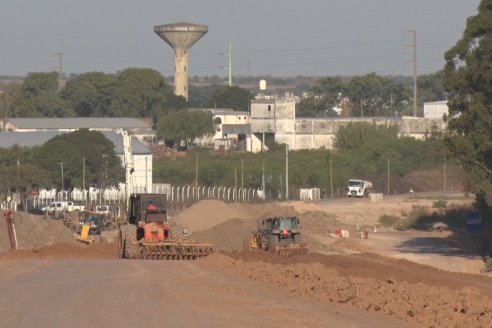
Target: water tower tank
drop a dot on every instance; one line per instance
(181, 36)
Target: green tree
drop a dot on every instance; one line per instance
(468, 79)
(90, 94)
(185, 125)
(134, 92)
(7, 98)
(379, 96)
(38, 97)
(102, 165)
(231, 97)
(19, 170)
(200, 96)
(355, 135)
(431, 87)
(139, 92)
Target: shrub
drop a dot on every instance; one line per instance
(488, 264)
(388, 220)
(439, 204)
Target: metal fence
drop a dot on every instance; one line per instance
(92, 197)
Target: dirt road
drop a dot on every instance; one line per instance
(118, 293)
(53, 281)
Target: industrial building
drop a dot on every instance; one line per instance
(30, 132)
(274, 117)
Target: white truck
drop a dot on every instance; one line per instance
(359, 188)
(61, 207)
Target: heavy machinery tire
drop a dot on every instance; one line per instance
(273, 243)
(298, 239)
(127, 236)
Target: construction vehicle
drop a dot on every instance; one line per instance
(358, 188)
(85, 235)
(147, 233)
(278, 235)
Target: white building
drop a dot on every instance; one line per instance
(436, 109)
(275, 118)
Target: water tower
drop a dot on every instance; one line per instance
(181, 36)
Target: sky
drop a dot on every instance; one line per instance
(277, 38)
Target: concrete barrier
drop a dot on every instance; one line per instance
(375, 197)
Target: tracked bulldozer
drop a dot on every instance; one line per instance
(148, 234)
(278, 235)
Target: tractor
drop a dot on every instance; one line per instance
(278, 235)
(148, 234)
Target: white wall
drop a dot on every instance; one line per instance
(436, 109)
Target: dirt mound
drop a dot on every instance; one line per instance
(321, 223)
(227, 236)
(303, 207)
(209, 213)
(373, 283)
(33, 231)
(64, 250)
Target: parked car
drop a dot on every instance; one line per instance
(61, 207)
(104, 209)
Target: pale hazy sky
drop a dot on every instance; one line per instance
(280, 38)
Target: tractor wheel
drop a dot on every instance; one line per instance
(273, 243)
(298, 239)
(127, 236)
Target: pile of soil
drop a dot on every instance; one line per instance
(64, 250)
(209, 213)
(373, 283)
(33, 231)
(227, 236)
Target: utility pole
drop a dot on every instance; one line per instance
(59, 68)
(83, 173)
(414, 60)
(444, 175)
(287, 171)
(331, 180)
(230, 64)
(229, 68)
(388, 176)
(196, 172)
(242, 173)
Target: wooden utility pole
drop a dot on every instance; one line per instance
(414, 60)
(83, 173)
(286, 171)
(388, 176)
(331, 180)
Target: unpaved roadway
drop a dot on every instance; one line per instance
(125, 293)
